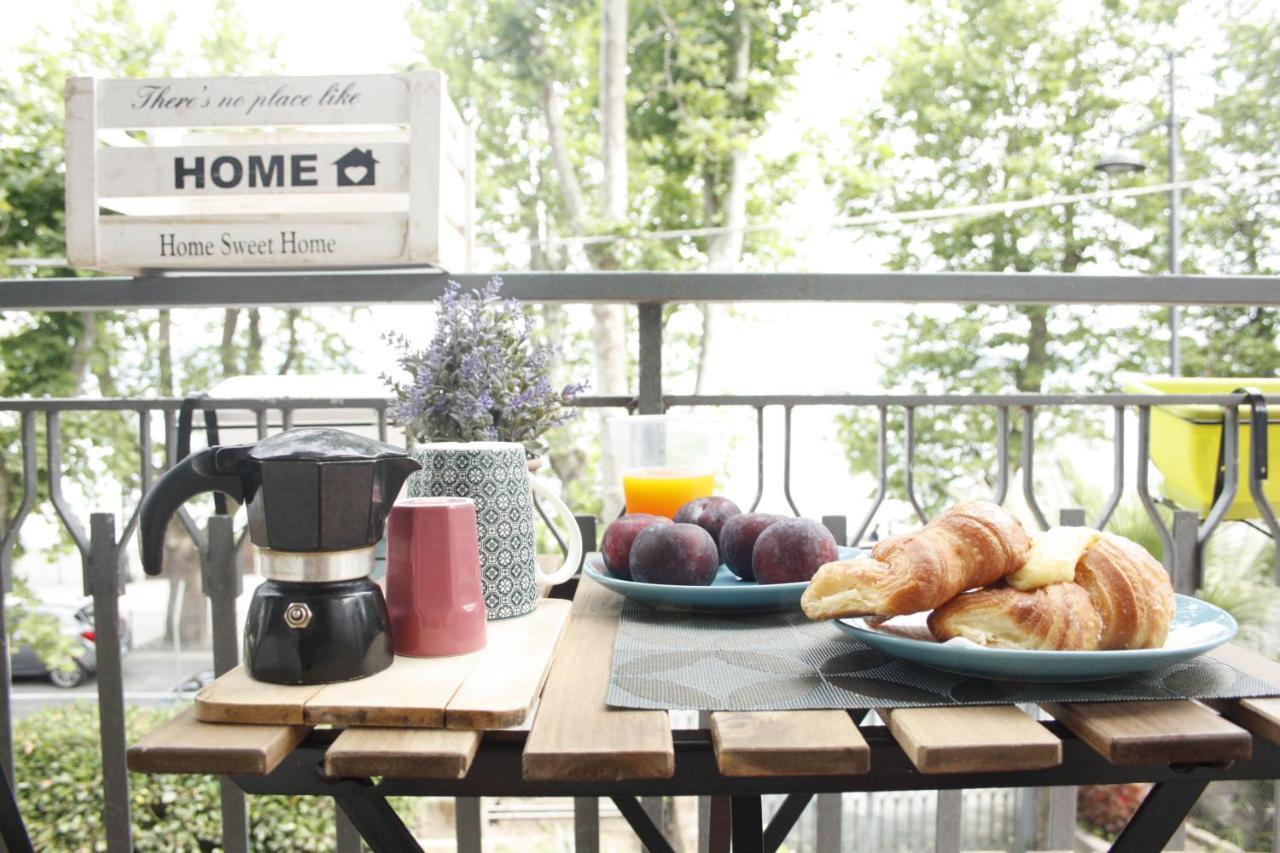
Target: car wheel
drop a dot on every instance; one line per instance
(68, 678)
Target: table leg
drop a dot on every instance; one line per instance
(643, 826)
(377, 823)
(1158, 818)
(468, 819)
(719, 827)
(785, 818)
(748, 828)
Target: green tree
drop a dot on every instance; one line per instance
(985, 102)
(555, 157)
(1231, 230)
(69, 353)
(116, 353)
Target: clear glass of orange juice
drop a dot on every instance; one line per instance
(666, 460)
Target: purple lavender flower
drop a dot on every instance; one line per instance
(482, 377)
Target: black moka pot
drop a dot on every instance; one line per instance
(317, 501)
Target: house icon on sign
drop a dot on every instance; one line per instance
(356, 168)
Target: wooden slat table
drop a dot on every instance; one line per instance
(576, 746)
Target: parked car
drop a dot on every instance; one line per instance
(75, 620)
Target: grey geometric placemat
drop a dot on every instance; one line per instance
(777, 661)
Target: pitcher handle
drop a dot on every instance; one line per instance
(574, 558)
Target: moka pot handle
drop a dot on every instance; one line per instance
(192, 476)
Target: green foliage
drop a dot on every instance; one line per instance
(689, 117)
(1236, 229)
(59, 773)
(110, 354)
(986, 101)
(41, 631)
(64, 354)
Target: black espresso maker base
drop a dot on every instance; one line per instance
(315, 633)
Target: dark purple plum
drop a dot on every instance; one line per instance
(681, 554)
(738, 540)
(615, 546)
(709, 513)
(791, 551)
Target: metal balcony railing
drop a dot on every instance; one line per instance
(102, 547)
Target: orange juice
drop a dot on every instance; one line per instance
(662, 491)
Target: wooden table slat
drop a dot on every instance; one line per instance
(491, 688)
(510, 671)
(410, 692)
(187, 745)
(1177, 731)
(1249, 661)
(973, 739)
(575, 736)
(402, 753)
(1260, 716)
(236, 698)
(788, 743)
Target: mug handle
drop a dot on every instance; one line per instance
(570, 565)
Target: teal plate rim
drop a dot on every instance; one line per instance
(1054, 666)
(726, 592)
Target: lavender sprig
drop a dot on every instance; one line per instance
(482, 377)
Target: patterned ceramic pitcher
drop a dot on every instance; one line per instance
(496, 476)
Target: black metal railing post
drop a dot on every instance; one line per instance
(106, 583)
(222, 584)
(649, 401)
(8, 541)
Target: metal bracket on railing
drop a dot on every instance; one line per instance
(882, 468)
(786, 459)
(1258, 423)
(1229, 471)
(908, 474)
(145, 476)
(1002, 454)
(1117, 490)
(30, 486)
(1144, 485)
(1028, 462)
(755, 502)
(53, 440)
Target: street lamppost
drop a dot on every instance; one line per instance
(1126, 159)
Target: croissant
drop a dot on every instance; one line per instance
(1057, 616)
(1121, 598)
(969, 545)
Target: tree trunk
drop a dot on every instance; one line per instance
(186, 596)
(227, 349)
(253, 354)
(1030, 374)
(82, 349)
(609, 321)
(613, 109)
(566, 175)
(724, 249)
(165, 354)
(291, 347)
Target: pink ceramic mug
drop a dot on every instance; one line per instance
(433, 577)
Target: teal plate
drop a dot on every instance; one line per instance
(1197, 627)
(727, 591)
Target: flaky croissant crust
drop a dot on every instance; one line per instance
(969, 545)
(1121, 598)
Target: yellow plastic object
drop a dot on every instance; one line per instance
(1185, 440)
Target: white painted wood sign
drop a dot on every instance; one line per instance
(268, 172)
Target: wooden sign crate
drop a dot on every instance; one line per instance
(268, 173)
